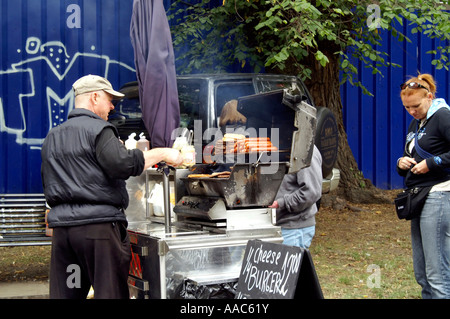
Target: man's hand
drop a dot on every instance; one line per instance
(274, 205)
(171, 156)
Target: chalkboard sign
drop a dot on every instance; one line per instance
(277, 271)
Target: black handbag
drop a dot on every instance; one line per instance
(410, 202)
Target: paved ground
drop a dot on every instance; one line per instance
(24, 290)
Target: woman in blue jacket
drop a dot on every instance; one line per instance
(430, 232)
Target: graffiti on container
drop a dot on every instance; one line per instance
(36, 92)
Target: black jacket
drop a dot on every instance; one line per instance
(76, 187)
(433, 137)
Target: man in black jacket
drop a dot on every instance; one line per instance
(84, 168)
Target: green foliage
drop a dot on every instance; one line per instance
(282, 33)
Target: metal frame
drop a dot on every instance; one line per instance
(23, 220)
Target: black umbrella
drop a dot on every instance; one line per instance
(155, 70)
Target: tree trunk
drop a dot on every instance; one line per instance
(324, 88)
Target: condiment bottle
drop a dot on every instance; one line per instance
(130, 143)
(188, 154)
(143, 144)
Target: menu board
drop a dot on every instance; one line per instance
(277, 271)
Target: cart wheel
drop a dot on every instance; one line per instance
(326, 139)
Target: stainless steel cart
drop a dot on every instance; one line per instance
(202, 237)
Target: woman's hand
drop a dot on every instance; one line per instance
(406, 162)
(420, 168)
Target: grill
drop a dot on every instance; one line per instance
(254, 178)
(215, 215)
(247, 185)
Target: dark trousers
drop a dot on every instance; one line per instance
(95, 254)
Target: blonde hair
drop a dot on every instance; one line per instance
(427, 80)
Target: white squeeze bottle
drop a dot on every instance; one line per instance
(143, 144)
(130, 143)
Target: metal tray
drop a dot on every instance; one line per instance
(249, 185)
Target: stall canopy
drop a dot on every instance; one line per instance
(155, 70)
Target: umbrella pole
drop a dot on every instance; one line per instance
(167, 214)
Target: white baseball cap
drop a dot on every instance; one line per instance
(92, 83)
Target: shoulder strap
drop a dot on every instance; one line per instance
(424, 154)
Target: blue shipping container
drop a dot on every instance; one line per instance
(48, 44)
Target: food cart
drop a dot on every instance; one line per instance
(211, 210)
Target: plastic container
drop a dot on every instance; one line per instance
(188, 154)
(143, 144)
(179, 143)
(131, 143)
(187, 151)
(156, 200)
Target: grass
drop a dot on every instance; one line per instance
(24, 263)
(364, 254)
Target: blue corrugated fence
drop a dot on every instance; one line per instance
(376, 126)
(48, 44)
